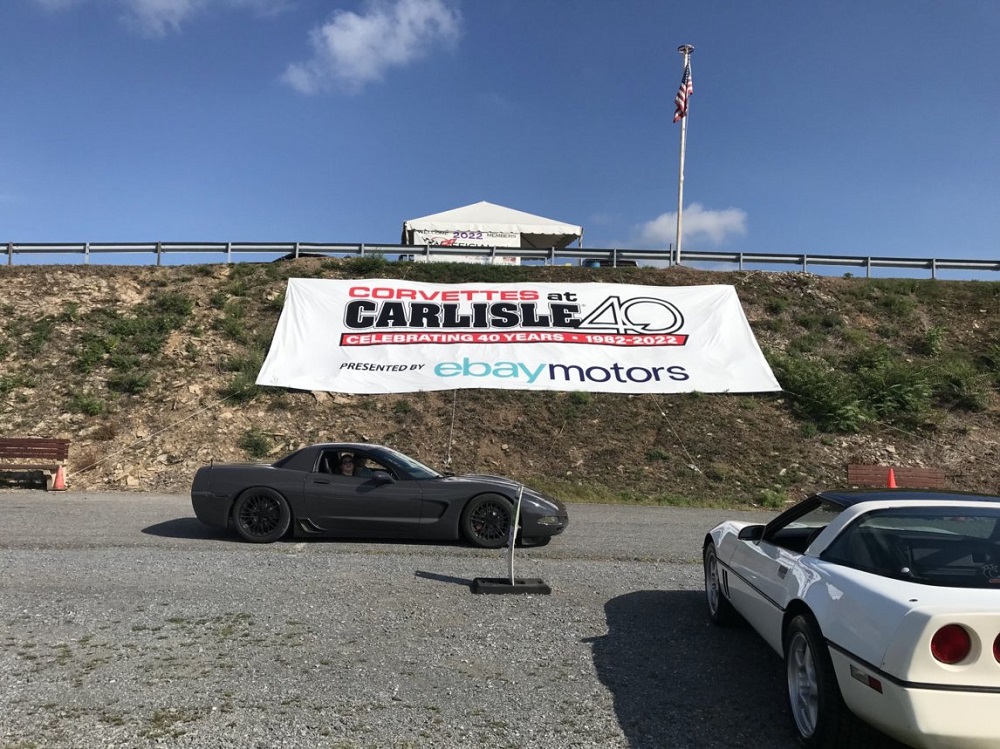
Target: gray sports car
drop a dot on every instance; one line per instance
(355, 490)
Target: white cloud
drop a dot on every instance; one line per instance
(159, 17)
(351, 50)
(699, 225)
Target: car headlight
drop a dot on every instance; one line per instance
(549, 520)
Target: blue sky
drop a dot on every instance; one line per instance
(862, 127)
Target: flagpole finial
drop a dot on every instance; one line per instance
(686, 49)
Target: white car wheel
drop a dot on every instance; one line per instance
(720, 610)
(803, 690)
(819, 715)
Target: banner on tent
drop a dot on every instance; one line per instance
(391, 336)
(478, 238)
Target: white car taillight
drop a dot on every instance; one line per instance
(952, 644)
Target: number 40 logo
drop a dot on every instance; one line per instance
(638, 316)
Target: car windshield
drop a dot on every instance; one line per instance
(949, 546)
(414, 468)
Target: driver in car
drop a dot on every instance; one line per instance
(354, 465)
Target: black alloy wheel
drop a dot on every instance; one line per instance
(486, 521)
(261, 516)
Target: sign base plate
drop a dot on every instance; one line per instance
(503, 585)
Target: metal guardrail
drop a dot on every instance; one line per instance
(741, 260)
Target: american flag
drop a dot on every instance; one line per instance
(683, 94)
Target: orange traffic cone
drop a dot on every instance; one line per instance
(59, 483)
(892, 479)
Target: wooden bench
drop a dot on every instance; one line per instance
(35, 454)
(906, 478)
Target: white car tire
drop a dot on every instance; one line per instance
(819, 715)
(720, 611)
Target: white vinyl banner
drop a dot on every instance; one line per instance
(468, 239)
(391, 336)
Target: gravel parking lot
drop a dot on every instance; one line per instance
(126, 623)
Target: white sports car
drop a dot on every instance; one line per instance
(885, 605)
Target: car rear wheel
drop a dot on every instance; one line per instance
(819, 715)
(486, 521)
(720, 610)
(261, 515)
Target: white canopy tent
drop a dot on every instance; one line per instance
(485, 224)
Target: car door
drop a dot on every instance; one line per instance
(371, 506)
(767, 573)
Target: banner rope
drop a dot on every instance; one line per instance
(451, 432)
(691, 464)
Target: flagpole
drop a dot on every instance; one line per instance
(686, 50)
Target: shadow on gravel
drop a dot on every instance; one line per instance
(679, 681)
(187, 528)
(443, 578)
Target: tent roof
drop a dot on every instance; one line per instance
(535, 231)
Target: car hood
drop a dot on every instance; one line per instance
(510, 488)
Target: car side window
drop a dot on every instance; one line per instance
(328, 462)
(355, 464)
(796, 530)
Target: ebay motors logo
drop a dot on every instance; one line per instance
(562, 373)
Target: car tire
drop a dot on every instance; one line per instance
(819, 716)
(720, 611)
(261, 515)
(486, 521)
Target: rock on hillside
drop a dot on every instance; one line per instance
(149, 371)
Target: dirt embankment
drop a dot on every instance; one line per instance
(149, 372)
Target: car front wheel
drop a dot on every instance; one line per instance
(486, 521)
(720, 610)
(261, 515)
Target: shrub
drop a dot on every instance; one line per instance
(241, 388)
(890, 388)
(820, 394)
(255, 443)
(776, 306)
(38, 335)
(932, 342)
(958, 383)
(13, 382)
(86, 404)
(366, 265)
(130, 383)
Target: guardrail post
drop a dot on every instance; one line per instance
(159, 253)
(229, 253)
(10, 253)
(868, 267)
(362, 249)
(296, 250)
(740, 256)
(934, 268)
(86, 254)
(805, 263)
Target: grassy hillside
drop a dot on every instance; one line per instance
(150, 371)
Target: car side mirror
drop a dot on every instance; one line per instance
(751, 533)
(382, 477)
